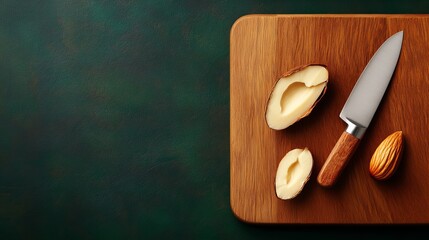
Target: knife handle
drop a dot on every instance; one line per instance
(338, 159)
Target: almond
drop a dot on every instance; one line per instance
(385, 159)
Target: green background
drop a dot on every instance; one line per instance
(114, 118)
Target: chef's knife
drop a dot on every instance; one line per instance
(361, 106)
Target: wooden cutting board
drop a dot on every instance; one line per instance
(263, 47)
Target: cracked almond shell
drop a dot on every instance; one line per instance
(295, 95)
(293, 173)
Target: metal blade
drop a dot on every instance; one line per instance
(372, 83)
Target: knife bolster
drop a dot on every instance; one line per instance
(355, 129)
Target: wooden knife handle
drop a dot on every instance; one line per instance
(337, 159)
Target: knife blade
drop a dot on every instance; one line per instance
(361, 106)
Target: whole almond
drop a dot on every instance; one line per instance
(385, 159)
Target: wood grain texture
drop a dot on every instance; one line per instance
(263, 48)
(337, 159)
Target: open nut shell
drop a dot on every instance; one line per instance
(274, 99)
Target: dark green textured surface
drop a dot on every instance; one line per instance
(114, 118)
